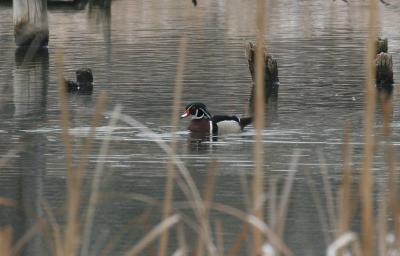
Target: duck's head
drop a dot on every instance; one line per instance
(196, 110)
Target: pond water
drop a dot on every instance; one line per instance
(132, 48)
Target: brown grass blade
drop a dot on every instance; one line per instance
(219, 236)
(366, 176)
(207, 195)
(169, 187)
(6, 237)
(258, 184)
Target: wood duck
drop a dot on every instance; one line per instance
(203, 122)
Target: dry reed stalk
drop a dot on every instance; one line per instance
(219, 236)
(273, 210)
(108, 248)
(74, 187)
(146, 230)
(320, 209)
(6, 237)
(28, 236)
(71, 230)
(56, 231)
(241, 235)
(273, 238)
(382, 227)
(207, 197)
(181, 238)
(169, 186)
(188, 186)
(344, 193)
(98, 174)
(341, 242)
(366, 176)
(247, 203)
(390, 158)
(74, 176)
(258, 184)
(328, 190)
(154, 233)
(287, 188)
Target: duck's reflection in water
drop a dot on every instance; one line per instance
(200, 142)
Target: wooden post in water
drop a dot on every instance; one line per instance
(30, 23)
(271, 80)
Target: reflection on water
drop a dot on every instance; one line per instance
(132, 48)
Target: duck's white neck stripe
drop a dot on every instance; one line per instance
(211, 128)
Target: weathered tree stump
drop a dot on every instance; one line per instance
(384, 72)
(30, 23)
(271, 80)
(83, 84)
(381, 45)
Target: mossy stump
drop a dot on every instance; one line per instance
(271, 79)
(30, 23)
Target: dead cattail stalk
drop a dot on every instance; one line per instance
(169, 187)
(366, 176)
(258, 184)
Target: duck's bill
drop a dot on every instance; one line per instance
(186, 114)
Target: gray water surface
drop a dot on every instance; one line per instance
(132, 48)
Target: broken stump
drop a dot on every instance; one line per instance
(381, 45)
(83, 84)
(271, 80)
(384, 69)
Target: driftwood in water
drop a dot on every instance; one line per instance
(30, 23)
(271, 80)
(381, 45)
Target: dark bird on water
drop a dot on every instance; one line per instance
(205, 123)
